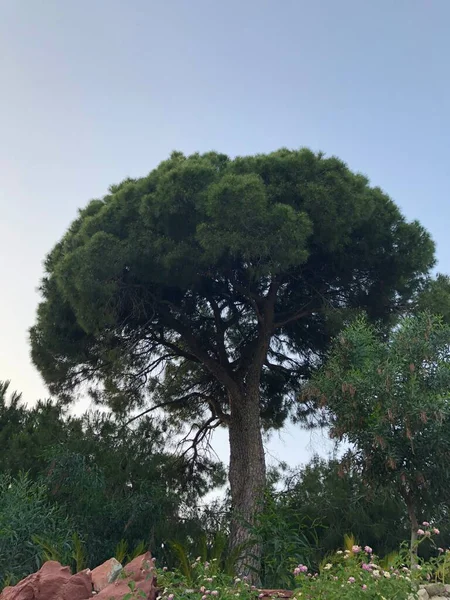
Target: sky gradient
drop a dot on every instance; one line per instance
(95, 91)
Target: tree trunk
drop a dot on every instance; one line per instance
(414, 527)
(247, 475)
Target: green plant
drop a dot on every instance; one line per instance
(287, 537)
(121, 551)
(388, 397)
(138, 550)
(25, 510)
(79, 553)
(206, 581)
(353, 574)
(213, 549)
(134, 593)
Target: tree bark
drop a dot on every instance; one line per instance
(247, 476)
(414, 527)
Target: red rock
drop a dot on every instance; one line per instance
(79, 586)
(105, 574)
(141, 567)
(24, 590)
(55, 582)
(51, 578)
(141, 570)
(120, 588)
(51, 582)
(46, 584)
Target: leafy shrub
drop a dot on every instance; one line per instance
(351, 575)
(206, 582)
(28, 524)
(287, 537)
(342, 579)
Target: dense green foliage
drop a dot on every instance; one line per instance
(390, 399)
(175, 268)
(25, 514)
(350, 574)
(114, 484)
(338, 503)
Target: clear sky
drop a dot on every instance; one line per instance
(93, 91)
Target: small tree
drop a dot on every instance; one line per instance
(207, 287)
(390, 399)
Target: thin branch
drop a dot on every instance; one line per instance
(151, 409)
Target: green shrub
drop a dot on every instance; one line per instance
(28, 524)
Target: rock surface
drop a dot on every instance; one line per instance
(105, 574)
(432, 591)
(141, 571)
(107, 582)
(51, 582)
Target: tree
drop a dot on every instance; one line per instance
(390, 399)
(214, 285)
(339, 503)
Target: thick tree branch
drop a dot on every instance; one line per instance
(220, 332)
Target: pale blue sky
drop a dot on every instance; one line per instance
(94, 91)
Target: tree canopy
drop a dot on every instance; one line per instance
(176, 266)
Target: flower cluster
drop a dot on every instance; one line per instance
(351, 573)
(428, 531)
(205, 581)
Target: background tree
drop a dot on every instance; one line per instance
(339, 503)
(391, 401)
(213, 285)
(114, 483)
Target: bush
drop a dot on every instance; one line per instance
(351, 575)
(28, 523)
(287, 536)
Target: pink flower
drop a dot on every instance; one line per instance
(427, 533)
(441, 550)
(366, 567)
(436, 531)
(214, 593)
(351, 580)
(300, 569)
(356, 549)
(425, 524)
(170, 597)
(368, 549)
(364, 587)
(420, 532)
